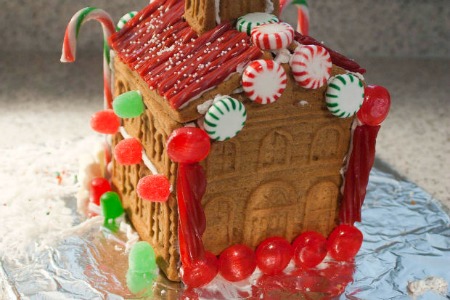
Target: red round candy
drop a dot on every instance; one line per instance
(98, 187)
(200, 272)
(237, 263)
(376, 105)
(344, 242)
(155, 188)
(188, 145)
(310, 248)
(105, 121)
(273, 255)
(128, 152)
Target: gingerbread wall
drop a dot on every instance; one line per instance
(280, 175)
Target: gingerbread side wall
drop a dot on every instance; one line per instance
(280, 175)
(157, 223)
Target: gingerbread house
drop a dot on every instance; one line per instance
(280, 175)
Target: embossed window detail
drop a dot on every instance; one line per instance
(276, 149)
(220, 212)
(271, 211)
(321, 207)
(326, 144)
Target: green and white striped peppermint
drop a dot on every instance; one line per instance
(125, 19)
(249, 21)
(225, 119)
(345, 95)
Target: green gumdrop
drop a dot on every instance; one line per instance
(142, 258)
(112, 208)
(129, 105)
(140, 284)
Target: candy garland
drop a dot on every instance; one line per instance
(124, 19)
(225, 119)
(273, 36)
(264, 81)
(70, 43)
(249, 21)
(344, 95)
(311, 66)
(302, 14)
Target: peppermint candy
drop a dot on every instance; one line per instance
(273, 36)
(264, 81)
(249, 21)
(345, 95)
(311, 66)
(225, 119)
(127, 17)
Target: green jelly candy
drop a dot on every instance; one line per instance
(112, 209)
(141, 284)
(142, 258)
(129, 105)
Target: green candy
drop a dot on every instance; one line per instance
(112, 209)
(140, 284)
(129, 105)
(142, 259)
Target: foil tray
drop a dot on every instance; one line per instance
(406, 239)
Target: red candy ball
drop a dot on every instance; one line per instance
(98, 187)
(310, 248)
(155, 188)
(273, 255)
(344, 242)
(105, 121)
(376, 105)
(128, 152)
(200, 272)
(188, 145)
(237, 263)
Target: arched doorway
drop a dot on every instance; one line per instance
(219, 224)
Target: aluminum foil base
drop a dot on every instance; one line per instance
(406, 239)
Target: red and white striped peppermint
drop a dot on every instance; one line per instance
(311, 66)
(273, 36)
(264, 81)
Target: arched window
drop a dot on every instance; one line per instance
(224, 159)
(219, 225)
(326, 144)
(276, 149)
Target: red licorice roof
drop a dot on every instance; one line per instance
(172, 59)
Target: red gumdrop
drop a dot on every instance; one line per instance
(105, 121)
(310, 248)
(273, 255)
(237, 263)
(344, 242)
(200, 272)
(155, 188)
(128, 152)
(188, 145)
(376, 105)
(98, 187)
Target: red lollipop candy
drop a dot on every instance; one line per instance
(128, 152)
(310, 248)
(344, 242)
(200, 272)
(188, 145)
(105, 121)
(98, 187)
(375, 107)
(154, 188)
(273, 255)
(237, 263)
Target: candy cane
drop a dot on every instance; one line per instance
(70, 43)
(302, 14)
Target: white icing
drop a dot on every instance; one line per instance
(203, 108)
(303, 103)
(283, 56)
(238, 90)
(434, 284)
(217, 10)
(269, 7)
